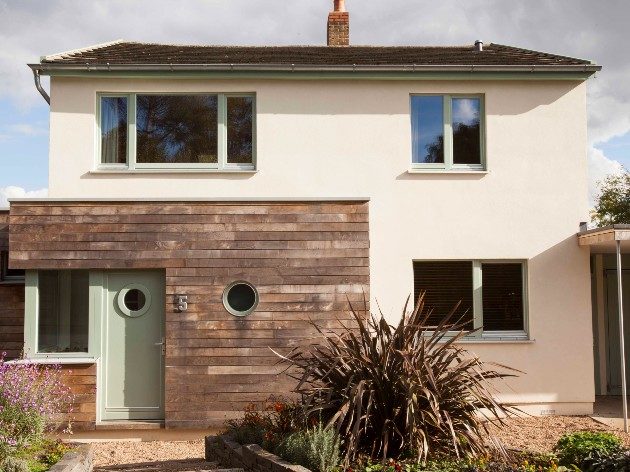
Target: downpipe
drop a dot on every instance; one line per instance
(38, 86)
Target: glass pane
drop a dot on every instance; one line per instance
(177, 129)
(240, 130)
(135, 300)
(502, 287)
(241, 297)
(427, 129)
(466, 131)
(445, 283)
(63, 311)
(114, 130)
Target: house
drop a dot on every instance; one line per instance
(205, 202)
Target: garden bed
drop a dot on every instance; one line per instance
(251, 457)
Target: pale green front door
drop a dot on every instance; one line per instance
(133, 343)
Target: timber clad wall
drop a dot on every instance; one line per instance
(11, 303)
(81, 379)
(306, 259)
(4, 230)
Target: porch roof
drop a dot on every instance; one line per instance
(603, 240)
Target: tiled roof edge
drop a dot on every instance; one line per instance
(60, 55)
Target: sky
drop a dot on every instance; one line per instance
(595, 30)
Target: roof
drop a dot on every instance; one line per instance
(119, 55)
(604, 239)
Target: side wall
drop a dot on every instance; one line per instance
(306, 260)
(11, 304)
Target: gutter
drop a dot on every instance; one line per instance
(38, 85)
(50, 68)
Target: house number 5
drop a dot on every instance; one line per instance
(182, 302)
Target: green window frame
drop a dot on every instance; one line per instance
(222, 133)
(31, 320)
(477, 296)
(448, 164)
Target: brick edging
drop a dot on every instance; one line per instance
(80, 459)
(251, 457)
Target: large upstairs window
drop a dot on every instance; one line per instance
(177, 132)
(447, 132)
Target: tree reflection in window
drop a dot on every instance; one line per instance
(113, 130)
(240, 130)
(466, 131)
(427, 124)
(177, 129)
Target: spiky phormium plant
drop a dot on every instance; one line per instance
(404, 389)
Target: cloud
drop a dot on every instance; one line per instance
(599, 166)
(7, 193)
(465, 110)
(28, 129)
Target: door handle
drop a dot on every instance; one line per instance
(163, 344)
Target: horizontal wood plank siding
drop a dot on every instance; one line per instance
(12, 319)
(81, 411)
(4, 230)
(307, 259)
(11, 303)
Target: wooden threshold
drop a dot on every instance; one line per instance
(138, 425)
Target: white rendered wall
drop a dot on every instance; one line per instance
(352, 139)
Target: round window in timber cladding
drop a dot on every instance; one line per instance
(240, 298)
(134, 300)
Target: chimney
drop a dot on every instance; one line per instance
(339, 25)
(479, 45)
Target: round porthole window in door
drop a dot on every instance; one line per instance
(134, 300)
(240, 298)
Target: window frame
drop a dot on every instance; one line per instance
(4, 267)
(448, 165)
(222, 133)
(31, 321)
(477, 277)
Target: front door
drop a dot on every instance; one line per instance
(133, 344)
(612, 313)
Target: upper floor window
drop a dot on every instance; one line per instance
(200, 131)
(447, 132)
(6, 274)
(491, 294)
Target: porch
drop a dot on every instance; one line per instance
(610, 288)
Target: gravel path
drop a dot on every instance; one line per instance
(152, 456)
(540, 434)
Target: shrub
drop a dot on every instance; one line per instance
(316, 449)
(30, 395)
(251, 427)
(582, 448)
(14, 464)
(267, 423)
(387, 389)
(619, 462)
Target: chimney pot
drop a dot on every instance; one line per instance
(339, 25)
(479, 45)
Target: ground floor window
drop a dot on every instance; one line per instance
(6, 274)
(491, 294)
(62, 311)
